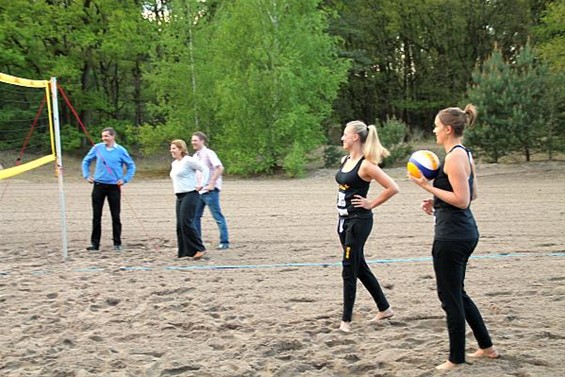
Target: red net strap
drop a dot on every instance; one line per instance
(30, 132)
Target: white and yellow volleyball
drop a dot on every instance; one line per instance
(423, 162)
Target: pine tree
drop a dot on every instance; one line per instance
(512, 98)
(493, 135)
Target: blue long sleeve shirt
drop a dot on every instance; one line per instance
(110, 163)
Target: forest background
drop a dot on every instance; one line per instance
(272, 82)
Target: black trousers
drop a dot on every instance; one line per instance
(100, 192)
(188, 238)
(353, 234)
(450, 263)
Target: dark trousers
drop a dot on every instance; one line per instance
(188, 238)
(100, 192)
(353, 234)
(450, 263)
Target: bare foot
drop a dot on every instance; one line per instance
(385, 314)
(490, 353)
(448, 365)
(345, 326)
(200, 254)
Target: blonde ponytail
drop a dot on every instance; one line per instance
(372, 147)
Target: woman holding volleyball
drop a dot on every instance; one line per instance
(456, 233)
(354, 176)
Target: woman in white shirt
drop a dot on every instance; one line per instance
(186, 187)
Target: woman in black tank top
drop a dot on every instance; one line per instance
(456, 234)
(354, 176)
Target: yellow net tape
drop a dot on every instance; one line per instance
(23, 82)
(15, 170)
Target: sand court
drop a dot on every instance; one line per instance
(271, 305)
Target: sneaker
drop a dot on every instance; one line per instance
(223, 246)
(118, 248)
(92, 248)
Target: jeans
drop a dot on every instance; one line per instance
(100, 192)
(212, 200)
(450, 263)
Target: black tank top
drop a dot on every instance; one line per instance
(350, 184)
(452, 223)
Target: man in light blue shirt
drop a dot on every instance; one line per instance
(108, 177)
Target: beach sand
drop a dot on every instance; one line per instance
(271, 304)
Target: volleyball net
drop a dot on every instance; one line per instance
(27, 137)
(29, 132)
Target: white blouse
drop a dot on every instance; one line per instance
(183, 174)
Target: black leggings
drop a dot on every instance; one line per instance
(353, 234)
(450, 263)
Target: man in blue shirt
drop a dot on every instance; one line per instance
(108, 177)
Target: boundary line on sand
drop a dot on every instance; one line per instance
(286, 265)
(321, 264)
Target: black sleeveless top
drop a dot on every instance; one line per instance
(453, 223)
(350, 184)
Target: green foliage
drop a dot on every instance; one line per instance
(393, 134)
(411, 58)
(294, 162)
(155, 139)
(512, 98)
(123, 130)
(554, 138)
(74, 138)
(492, 136)
(332, 155)
(95, 49)
(257, 76)
(551, 36)
(71, 138)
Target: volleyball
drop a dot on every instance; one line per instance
(423, 162)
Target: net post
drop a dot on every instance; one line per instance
(58, 151)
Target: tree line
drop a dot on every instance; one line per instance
(270, 81)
